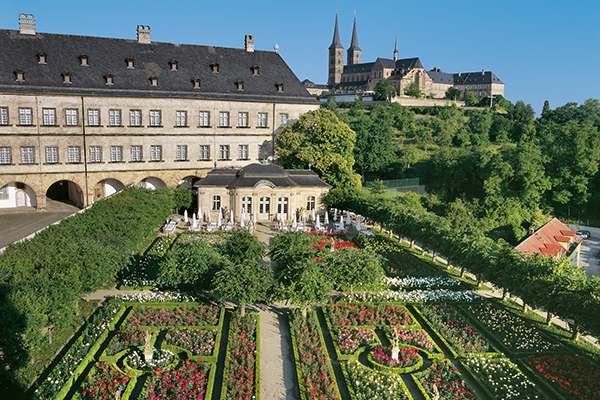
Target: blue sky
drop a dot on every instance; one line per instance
(541, 50)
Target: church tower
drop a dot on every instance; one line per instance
(354, 52)
(336, 57)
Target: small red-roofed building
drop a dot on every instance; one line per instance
(554, 239)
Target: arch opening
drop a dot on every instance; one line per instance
(66, 192)
(107, 187)
(152, 183)
(17, 194)
(190, 181)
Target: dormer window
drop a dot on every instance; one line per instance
(240, 85)
(109, 79)
(173, 65)
(255, 70)
(19, 76)
(129, 62)
(154, 81)
(215, 68)
(66, 77)
(196, 83)
(279, 86)
(42, 58)
(83, 61)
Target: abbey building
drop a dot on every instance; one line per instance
(356, 75)
(82, 117)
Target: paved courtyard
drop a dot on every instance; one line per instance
(589, 259)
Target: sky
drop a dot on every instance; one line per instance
(541, 50)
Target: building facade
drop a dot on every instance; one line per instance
(81, 117)
(266, 190)
(362, 77)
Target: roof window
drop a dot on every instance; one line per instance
(154, 81)
(196, 83)
(279, 86)
(174, 65)
(66, 77)
(215, 68)
(255, 71)
(108, 79)
(129, 62)
(42, 57)
(83, 61)
(19, 76)
(240, 85)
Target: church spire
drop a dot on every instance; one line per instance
(354, 52)
(336, 44)
(396, 49)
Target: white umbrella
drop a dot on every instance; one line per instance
(335, 214)
(194, 222)
(349, 220)
(313, 215)
(254, 218)
(358, 227)
(242, 225)
(243, 216)
(220, 219)
(231, 217)
(341, 224)
(294, 223)
(303, 217)
(221, 213)
(317, 224)
(185, 218)
(199, 215)
(208, 218)
(326, 222)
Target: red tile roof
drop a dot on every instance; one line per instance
(547, 239)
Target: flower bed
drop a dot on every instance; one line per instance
(125, 339)
(158, 297)
(429, 283)
(408, 358)
(455, 329)
(418, 338)
(241, 365)
(185, 316)
(368, 314)
(415, 296)
(501, 378)
(161, 358)
(399, 262)
(144, 269)
(368, 384)
(315, 374)
(573, 376)
(188, 381)
(512, 331)
(72, 362)
(443, 378)
(197, 342)
(348, 340)
(103, 383)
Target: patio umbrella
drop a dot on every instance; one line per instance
(242, 225)
(185, 218)
(317, 224)
(326, 222)
(341, 224)
(349, 220)
(254, 218)
(294, 223)
(208, 218)
(313, 215)
(221, 214)
(243, 214)
(220, 219)
(199, 215)
(335, 214)
(358, 227)
(194, 220)
(231, 217)
(303, 217)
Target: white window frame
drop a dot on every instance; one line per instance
(224, 119)
(93, 117)
(72, 117)
(181, 117)
(216, 203)
(135, 118)
(204, 152)
(3, 115)
(243, 152)
(243, 120)
(154, 117)
(204, 118)
(283, 119)
(5, 155)
(156, 153)
(116, 153)
(262, 120)
(223, 152)
(74, 154)
(49, 116)
(95, 154)
(25, 116)
(28, 155)
(181, 152)
(310, 203)
(51, 155)
(114, 117)
(136, 153)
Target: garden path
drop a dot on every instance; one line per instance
(277, 358)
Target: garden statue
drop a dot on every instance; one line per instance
(147, 348)
(395, 340)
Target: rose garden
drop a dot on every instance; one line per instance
(370, 318)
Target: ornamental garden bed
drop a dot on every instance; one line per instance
(142, 275)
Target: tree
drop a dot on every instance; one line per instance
(384, 90)
(470, 99)
(320, 139)
(182, 197)
(453, 93)
(546, 109)
(409, 155)
(413, 90)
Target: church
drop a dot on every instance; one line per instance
(358, 76)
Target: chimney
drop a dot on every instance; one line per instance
(27, 24)
(143, 34)
(249, 41)
(531, 230)
(459, 73)
(483, 72)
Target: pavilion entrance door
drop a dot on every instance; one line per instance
(282, 208)
(264, 208)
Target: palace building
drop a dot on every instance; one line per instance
(358, 76)
(82, 117)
